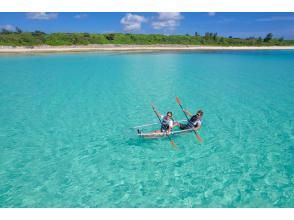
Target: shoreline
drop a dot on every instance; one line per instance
(129, 48)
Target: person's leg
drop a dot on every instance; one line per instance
(157, 132)
(183, 126)
(176, 124)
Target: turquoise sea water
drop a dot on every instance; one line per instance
(65, 137)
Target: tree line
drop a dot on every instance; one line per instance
(20, 38)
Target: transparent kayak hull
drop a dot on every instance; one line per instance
(153, 135)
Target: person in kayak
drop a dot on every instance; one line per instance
(194, 121)
(167, 123)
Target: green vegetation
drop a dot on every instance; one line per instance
(20, 38)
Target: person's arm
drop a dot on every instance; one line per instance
(187, 112)
(198, 126)
(170, 127)
(158, 114)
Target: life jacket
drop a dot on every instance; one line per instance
(165, 123)
(193, 121)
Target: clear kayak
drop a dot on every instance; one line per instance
(162, 134)
(151, 135)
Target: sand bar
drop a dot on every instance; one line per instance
(112, 47)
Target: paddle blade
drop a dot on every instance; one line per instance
(178, 100)
(173, 144)
(198, 137)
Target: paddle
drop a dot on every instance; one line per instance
(171, 141)
(197, 135)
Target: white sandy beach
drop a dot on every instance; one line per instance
(112, 47)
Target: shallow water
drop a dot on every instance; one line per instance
(65, 136)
